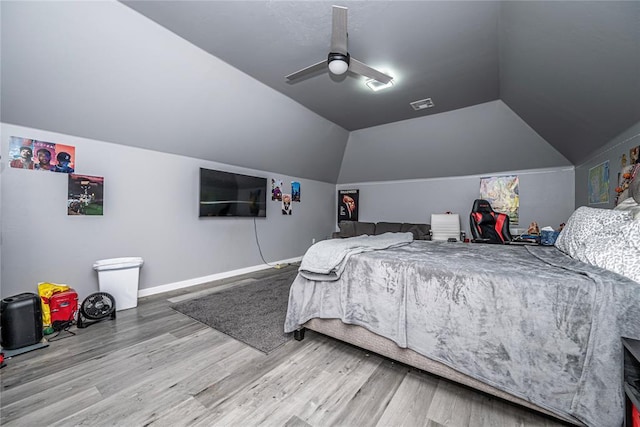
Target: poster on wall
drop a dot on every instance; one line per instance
(85, 195)
(598, 184)
(634, 155)
(348, 205)
(295, 191)
(286, 204)
(504, 195)
(33, 154)
(276, 189)
(625, 177)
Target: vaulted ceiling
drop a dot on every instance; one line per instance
(570, 70)
(543, 83)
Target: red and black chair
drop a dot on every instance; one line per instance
(488, 226)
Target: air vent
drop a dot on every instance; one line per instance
(422, 104)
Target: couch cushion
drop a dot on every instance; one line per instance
(347, 229)
(388, 227)
(365, 228)
(420, 231)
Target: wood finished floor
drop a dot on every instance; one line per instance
(153, 366)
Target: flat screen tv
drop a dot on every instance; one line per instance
(232, 194)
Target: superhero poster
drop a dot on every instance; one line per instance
(33, 154)
(86, 195)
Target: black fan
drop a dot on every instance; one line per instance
(96, 307)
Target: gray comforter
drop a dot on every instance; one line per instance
(528, 320)
(326, 259)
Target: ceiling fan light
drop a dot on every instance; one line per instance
(338, 63)
(375, 85)
(338, 66)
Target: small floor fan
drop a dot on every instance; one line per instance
(96, 307)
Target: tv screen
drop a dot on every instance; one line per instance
(232, 194)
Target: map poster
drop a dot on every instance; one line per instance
(598, 185)
(503, 194)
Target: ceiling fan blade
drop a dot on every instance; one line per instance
(339, 30)
(364, 70)
(308, 71)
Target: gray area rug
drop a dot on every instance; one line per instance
(253, 313)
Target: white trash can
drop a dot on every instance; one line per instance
(119, 278)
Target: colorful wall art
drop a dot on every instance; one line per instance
(295, 191)
(504, 195)
(33, 154)
(598, 185)
(348, 205)
(85, 195)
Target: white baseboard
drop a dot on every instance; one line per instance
(200, 280)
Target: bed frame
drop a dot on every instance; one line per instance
(365, 339)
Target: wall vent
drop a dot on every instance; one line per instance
(422, 104)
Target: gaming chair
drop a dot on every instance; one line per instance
(488, 226)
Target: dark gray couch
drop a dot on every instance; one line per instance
(358, 228)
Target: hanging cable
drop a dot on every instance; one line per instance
(255, 230)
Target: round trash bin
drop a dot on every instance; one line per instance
(119, 278)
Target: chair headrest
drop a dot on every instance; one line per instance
(481, 205)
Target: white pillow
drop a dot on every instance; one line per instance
(617, 251)
(584, 223)
(629, 205)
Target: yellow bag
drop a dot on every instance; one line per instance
(46, 290)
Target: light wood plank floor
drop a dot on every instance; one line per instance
(153, 366)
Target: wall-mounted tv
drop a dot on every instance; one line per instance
(232, 194)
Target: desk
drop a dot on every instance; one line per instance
(521, 243)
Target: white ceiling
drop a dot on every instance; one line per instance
(570, 70)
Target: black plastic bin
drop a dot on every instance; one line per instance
(21, 318)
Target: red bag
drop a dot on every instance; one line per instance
(635, 417)
(64, 308)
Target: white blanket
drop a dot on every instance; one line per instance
(326, 259)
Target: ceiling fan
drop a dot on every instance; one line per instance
(339, 60)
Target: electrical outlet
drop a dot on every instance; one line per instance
(313, 241)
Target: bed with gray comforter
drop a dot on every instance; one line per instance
(530, 321)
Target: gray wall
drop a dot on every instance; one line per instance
(395, 166)
(150, 210)
(485, 138)
(546, 196)
(102, 71)
(81, 73)
(611, 151)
